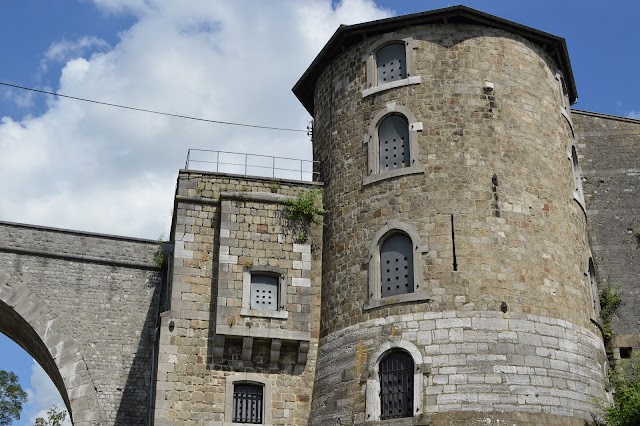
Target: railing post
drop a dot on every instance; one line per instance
(217, 160)
(186, 164)
(273, 167)
(245, 164)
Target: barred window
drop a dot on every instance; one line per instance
(393, 135)
(391, 63)
(264, 292)
(396, 265)
(396, 385)
(247, 403)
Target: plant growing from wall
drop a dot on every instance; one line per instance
(636, 234)
(625, 409)
(301, 212)
(610, 302)
(160, 258)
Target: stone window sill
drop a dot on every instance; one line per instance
(392, 300)
(246, 312)
(420, 420)
(413, 170)
(416, 79)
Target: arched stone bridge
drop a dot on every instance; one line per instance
(85, 307)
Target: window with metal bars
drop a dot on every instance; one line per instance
(396, 385)
(391, 63)
(396, 265)
(393, 134)
(247, 403)
(264, 292)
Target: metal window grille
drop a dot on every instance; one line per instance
(247, 403)
(393, 134)
(396, 386)
(396, 266)
(264, 292)
(391, 63)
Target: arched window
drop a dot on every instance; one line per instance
(396, 265)
(393, 134)
(247, 403)
(396, 373)
(247, 399)
(391, 63)
(577, 179)
(595, 300)
(392, 144)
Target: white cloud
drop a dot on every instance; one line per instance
(634, 114)
(63, 50)
(42, 396)
(97, 168)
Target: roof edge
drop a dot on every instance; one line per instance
(552, 44)
(606, 116)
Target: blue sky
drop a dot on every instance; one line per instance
(75, 165)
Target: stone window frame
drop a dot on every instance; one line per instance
(250, 378)
(373, 261)
(246, 310)
(372, 141)
(565, 103)
(369, 58)
(372, 397)
(594, 301)
(576, 173)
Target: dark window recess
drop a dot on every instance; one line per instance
(396, 386)
(391, 63)
(396, 266)
(594, 287)
(247, 404)
(393, 133)
(625, 353)
(576, 172)
(264, 292)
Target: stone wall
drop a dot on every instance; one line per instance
(608, 150)
(488, 199)
(225, 228)
(474, 362)
(85, 306)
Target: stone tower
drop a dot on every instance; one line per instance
(456, 279)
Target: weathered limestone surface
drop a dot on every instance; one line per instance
(85, 306)
(225, 226)
(608, 150)
(497, 188)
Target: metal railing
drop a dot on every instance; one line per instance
(252, 164)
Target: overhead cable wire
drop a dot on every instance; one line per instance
(168, 114)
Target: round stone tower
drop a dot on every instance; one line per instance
(456, 287)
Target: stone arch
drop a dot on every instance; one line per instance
(373, 260)
(372, 142)
(373, 384)
(30, 322)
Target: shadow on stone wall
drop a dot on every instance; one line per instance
(136, 404)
